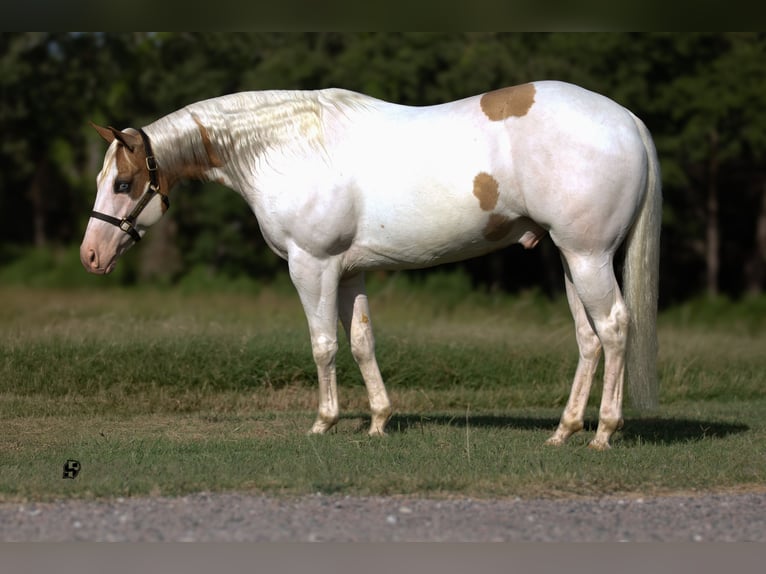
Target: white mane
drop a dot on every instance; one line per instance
(247, 126)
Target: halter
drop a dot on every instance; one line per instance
(128, 224)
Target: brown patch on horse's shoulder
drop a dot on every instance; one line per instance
(212, 155)
(515, 101)
(498, 226)
(485, 188)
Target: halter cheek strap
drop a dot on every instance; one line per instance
(125, 224)
(128, 224)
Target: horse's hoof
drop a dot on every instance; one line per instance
(321, 426)
(555, 441)
(379, 422)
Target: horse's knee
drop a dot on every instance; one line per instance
(363, 352)
(362, 344)
(324, 350)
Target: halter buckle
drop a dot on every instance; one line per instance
(151, 163)
(126, 226)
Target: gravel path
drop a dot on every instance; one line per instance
(241, 517)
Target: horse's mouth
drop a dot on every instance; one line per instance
(107, 269)
(101, 270)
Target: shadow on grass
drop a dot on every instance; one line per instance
(643, 430)
(673, 430)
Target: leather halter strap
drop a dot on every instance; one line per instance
(128, 224)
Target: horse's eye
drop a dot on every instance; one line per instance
(121, 186)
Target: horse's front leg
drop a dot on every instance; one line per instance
(317, 283)
(355, 316)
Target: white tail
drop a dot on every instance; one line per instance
(640, 286)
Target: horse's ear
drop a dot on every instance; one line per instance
(106, 133)
(110, 134)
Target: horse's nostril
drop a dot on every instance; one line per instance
(92, 256)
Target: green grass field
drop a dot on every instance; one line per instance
(167, 392)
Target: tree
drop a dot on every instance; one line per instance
(702, 96)
(48, 82)
(716, 114)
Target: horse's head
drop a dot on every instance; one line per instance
(130, 199)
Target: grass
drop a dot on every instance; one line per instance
(163, 392)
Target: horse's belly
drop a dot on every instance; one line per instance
(427, 243)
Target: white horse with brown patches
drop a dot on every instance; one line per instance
(342, 183)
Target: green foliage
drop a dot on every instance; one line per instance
(701, 94)
(747, 315)
(58, 268)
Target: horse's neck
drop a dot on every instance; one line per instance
(226, 138)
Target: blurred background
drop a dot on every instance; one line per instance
(703, 96)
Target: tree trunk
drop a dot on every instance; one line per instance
(712, 232)
(160, 258)
(37, 199)
(755, 270)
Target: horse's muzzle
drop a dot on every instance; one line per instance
(90, 259)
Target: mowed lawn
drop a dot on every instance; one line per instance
(157, 391)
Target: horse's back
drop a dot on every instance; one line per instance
(401, 186)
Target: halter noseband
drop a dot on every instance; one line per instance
(128, 224)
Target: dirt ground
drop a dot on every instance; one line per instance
(722, 517)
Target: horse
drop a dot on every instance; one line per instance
(342, 183)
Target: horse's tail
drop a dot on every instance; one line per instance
(640, 282)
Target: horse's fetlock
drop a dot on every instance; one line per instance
(571, 425)
(611, 422)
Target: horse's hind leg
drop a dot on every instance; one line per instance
(355, 316)
(589, 345)
(594, 282)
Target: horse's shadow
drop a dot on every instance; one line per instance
(651, 430)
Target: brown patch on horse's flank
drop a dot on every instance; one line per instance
(498, 226)
(212, 155)
(365, 319)
(485, 188)
(515, 101)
